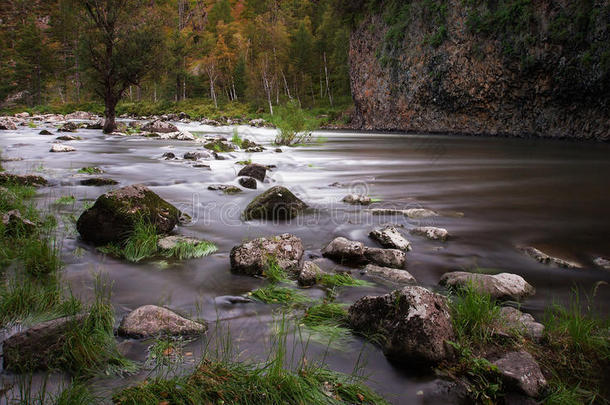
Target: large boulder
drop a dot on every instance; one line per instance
(160, 127)
(397, 276)
(345, 251)
(254, 170)
(277, 203)
(113, 216)
(414, 323)
(500, 286)
(390, 237)
(151, 320)
(251, 258)
(22, 180)
(39, 347)
(520, 371)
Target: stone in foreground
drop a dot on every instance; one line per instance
(59, 147)
(431, 232)
(357, 199)
(114, 215)
(390, 237)
(514, 320)
(310, 274)
(547, 259)
(277, 203)
(251, 258)
(39, 347)
(414, 322)
(397, 276)
(255, 171)
(504, 286)
(151, 320)
(520, 371)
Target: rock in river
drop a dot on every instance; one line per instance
(197, 155)
(514, 320)
(353, 253)
(99, 181)
(277, 203)
(309, 275)
(357, 199)
(386, 257)
(602, 262)
(500, 286)
(431, 232)
(414, 322)
(254, 170)
(410, 212)
(390, 237)
(68, 127)
(114, 214)
(547, 259)
(59, 147)
(247, 182)
(151, 320)
(7, 123)
(397, 276)
(251, 258)
(520, 371)
(160, 127)
(39, 347)
(23, 180)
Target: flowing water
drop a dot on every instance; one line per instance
(493, 194)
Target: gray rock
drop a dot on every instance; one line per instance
(514, 320)
(251, 258)
(15, 224)
(386, 257)
(198, 155)
(159, 126)
(431, 232)
(7, 123)
(546, 259)
(39, 347)
(225, 188)
(500, 286)
(58, 147)
(99, 124)
(277, 203)
(390, 237)
(357, 199)
(169, 156)
(113, 216)
(254, 170)
(601, 262)
(247, 182)
(68, 127)
(151, 320)
(69, 138)
(45, 132)
(80, 115)
(24, 114)
(520, 371)
(345, 251)
(170, 242)
(386, 273)
(309, 275)
(415, 324)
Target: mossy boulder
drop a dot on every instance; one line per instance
(219, 145)
(251, 258)
(277, 203)
(114, 215)
(22, 180)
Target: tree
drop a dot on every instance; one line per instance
(121, 40)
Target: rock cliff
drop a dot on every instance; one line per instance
(502, 67)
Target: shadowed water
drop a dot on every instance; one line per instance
(493, 194)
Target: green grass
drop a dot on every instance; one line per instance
(474, 315)
(244, 162)
(77, 393)
(273, 272)
(90, 170)
(328, 323)
(65, 200)
(186, 250)
(294, 125)
(40, 256)
(236, 139)
(342, 280)
(142, 243)
(274, 294)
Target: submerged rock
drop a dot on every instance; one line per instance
(99, 181)
(277, 203)
(58, 147)
(520, 371)
(431, 232)
(15, 224)
(514, 320)
(386, 273)
(414, 322)
(309, 275)
(602, 262)
(159, 126)
(411, 212)
(251, 258)
(22, 180)
(39, 347)
(390, 237)
(357, 199)
(113, 216)
(546, 259)
(247, 182)
(500, 286)
(254, 170)
(151, 320)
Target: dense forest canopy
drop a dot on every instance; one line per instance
(264, 52)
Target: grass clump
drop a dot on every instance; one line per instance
(274, 294)
(342, 280)
(65, 200)
(327, 322)
(40, 257)
(274, 272)
(76, 393)
(90, 170)
(236, 139)
(190, 250)
(294, 126)
(244, 162)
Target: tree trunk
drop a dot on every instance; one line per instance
(110, 114)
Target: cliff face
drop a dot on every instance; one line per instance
(482, 74)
